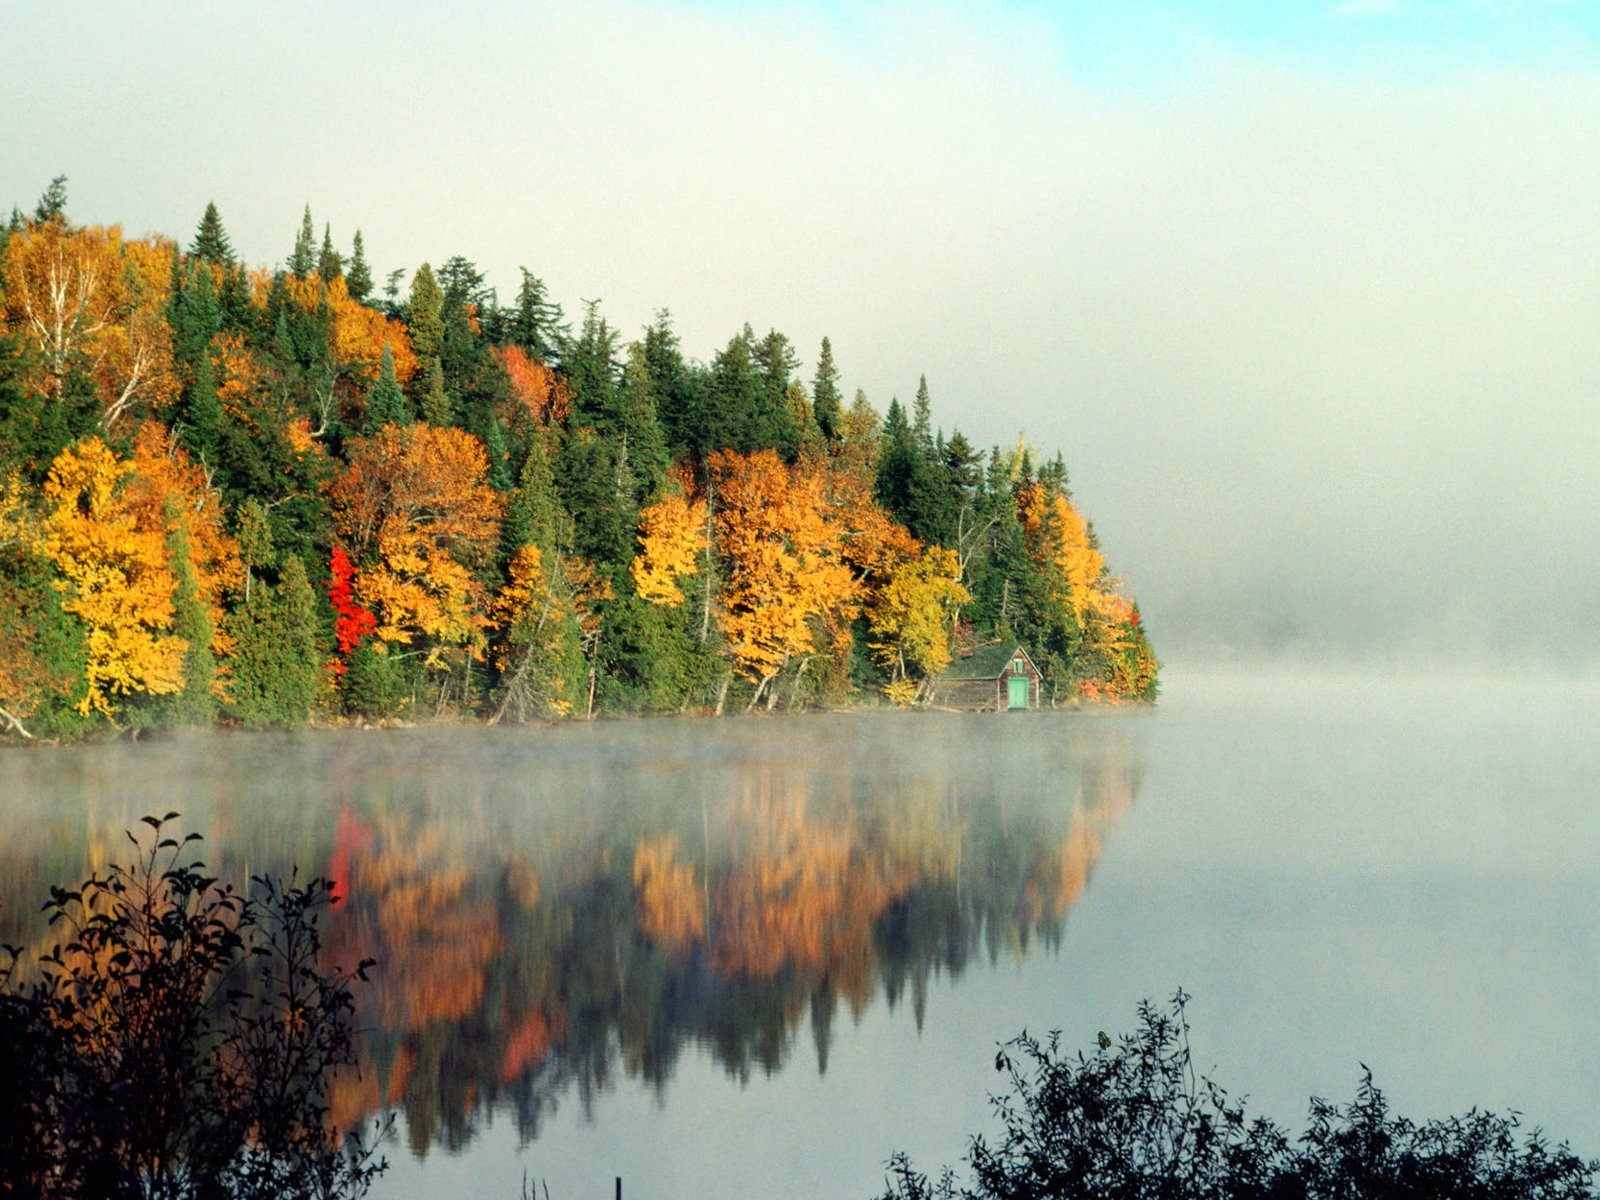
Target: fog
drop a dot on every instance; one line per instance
(1312, 329)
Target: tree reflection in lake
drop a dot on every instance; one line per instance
(553, 911)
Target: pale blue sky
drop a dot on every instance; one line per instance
(1307, 293)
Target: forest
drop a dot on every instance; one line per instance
(266, 496)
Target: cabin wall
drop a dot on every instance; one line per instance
(973, 695)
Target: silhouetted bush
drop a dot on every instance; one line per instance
(177, 1042)
(1133, 1121)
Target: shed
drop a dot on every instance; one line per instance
(998, 678)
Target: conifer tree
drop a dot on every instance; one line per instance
(329, 265)
(194, 706)
(201, 427)
(52, 204)
(211, 240)
(825, 402)
(536, 324)
(303, 260)
(277, 670)
(386, 403)
(358, 279)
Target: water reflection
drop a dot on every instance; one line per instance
(553, 912)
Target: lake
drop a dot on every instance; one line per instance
(756, 956)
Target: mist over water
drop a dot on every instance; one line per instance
(720, 957)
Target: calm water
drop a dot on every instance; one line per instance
(754, 957)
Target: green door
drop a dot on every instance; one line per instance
(1017, 691)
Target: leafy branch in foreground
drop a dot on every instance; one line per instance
(178, 1041)
(1134, 1120)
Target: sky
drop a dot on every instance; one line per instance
(1305, 293)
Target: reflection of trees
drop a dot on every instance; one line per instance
(512, 981)
(538, 942)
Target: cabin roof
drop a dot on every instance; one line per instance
(988, 662)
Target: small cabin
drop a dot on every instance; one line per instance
(999, 678)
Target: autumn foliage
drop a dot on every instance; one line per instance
(509, 516)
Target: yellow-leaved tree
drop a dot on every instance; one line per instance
(911, 617)
(86, 301)
(114, 576)
(783, 552)
(672, 537)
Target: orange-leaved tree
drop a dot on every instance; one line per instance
(782, 553)
(87, 302)
(422, 524)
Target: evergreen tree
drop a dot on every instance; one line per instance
(303, 259)
(463, 356)
(329, 265)
(435, 404)
(194, 706)
(195, 313)
(897, 463)
(201, 427)
(211, 240)
(358, 279)
(52, 205)
(589, 363)
(425, 313)
(537, 325)
(922, 418)
(535, 515)
(638, 427)
(386, 403)
(681, 398)
(425, 317)
(277, 670)
(825, 402)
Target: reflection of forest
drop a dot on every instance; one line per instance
(586, 921)
(507, 984)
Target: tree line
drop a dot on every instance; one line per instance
(267, 495)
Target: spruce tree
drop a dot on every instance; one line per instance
(52, 205)
(537, 324)
(386, 403)
(211, 240)
(358, 279)
(276, 665)
(425, 313)
(194, 706)
(201, 428)
(329, 265)
(825, 402)
(304, 258)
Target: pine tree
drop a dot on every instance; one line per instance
(589, 363)
(358, 279)
(922, 417)
(194, 706)
(425, 313)
(277, 670)
(304, 258)
(329, 265)
(537, 324)
(195, 314)
(386, 403)
(639, 427)
(52, 205)
(825, 402)
(201, 428)
(211, 240)
(435, 404)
